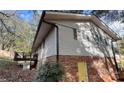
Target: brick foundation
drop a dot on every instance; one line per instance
(99, 69)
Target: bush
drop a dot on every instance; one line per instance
(50, 72)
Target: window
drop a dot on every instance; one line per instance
(75, 34)
(43, 43)
(106, 42)
(96, 38)
(100, 38)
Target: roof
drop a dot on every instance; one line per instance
(54, 16)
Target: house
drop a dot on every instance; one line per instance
(83, 44)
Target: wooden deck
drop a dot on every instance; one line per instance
(21, 56)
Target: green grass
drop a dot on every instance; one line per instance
(6, 62)
(5, 58)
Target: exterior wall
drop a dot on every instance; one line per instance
(86, 44)
(99, 69)
(87, 47)
(48, 48)
(50, 44)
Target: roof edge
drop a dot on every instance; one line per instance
(37, 31)
(114, 34)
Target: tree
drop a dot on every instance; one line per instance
(24, 43)
(15, 33)
(7, 37)
(110, 15)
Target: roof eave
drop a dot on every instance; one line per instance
(66, 16)
(105, 28)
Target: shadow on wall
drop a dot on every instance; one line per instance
(102, 68)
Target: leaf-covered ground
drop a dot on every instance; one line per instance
(12, 72)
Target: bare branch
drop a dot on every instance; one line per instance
(8, 15)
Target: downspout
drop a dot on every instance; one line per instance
(57, 43)
(57, 39)
(116, 65)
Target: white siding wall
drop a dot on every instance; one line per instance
(69, 46)
(49, 48)
(85, 45)
(50, 44)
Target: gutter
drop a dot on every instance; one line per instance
(106, 26)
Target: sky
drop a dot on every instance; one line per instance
(87, 11)
(25, 14)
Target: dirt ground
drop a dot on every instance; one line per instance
(12, 72)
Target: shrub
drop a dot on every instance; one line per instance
(50, 72)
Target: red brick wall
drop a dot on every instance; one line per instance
(99, 69)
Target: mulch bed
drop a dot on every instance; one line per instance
(14, 73)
